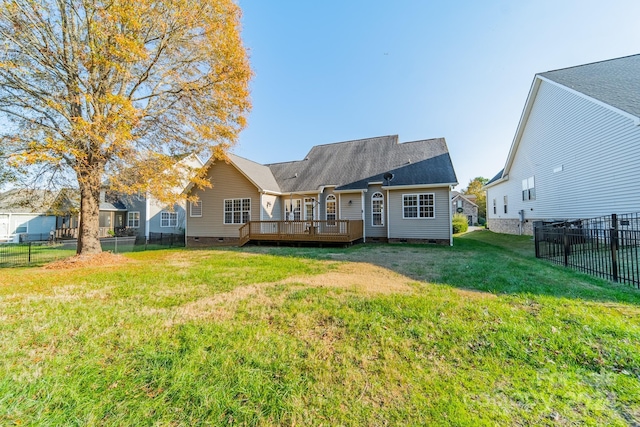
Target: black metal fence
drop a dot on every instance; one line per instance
(38, 253)
(607, 246)
(166, 239)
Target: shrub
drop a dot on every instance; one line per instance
(459, 224)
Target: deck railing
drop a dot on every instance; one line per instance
(316, 231)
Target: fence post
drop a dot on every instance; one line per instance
(614, 246)
(29, 259)
(115, 248)
(565, 241)
(536, 237)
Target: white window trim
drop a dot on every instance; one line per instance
(331, 199)
(293, 204)
(199, 205)
(224, 211)
(418, 205)
(129, 219)
(171, 215)
(377, 193)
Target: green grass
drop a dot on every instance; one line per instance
(482, 334)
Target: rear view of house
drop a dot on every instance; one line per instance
(576, 152)
(372, 189)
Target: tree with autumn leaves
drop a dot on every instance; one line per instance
(100, 89)
(475, 188)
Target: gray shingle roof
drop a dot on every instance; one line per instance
(27, 201)
(353, 164)
(260, 174)
(495, 178)
(615, 82)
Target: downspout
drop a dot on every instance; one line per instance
(364, 225)
(388, 203)
(147, 206)
(450, 218)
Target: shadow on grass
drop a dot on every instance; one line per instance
(481, 260)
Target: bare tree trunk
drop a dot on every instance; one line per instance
(88, 238)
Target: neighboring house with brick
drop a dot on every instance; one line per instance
(576, 150)
(373, 189)
(464, 204)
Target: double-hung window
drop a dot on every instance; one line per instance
(377, 209)
(237, 211)
(418, 206)
(528, 189)
(168, 219)
(133, 219)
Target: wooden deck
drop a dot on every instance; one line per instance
(338, 231)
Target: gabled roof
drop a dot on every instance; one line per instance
(354, 164)
(462, 196)
(614, 84)
(259, 175)
(34, 201)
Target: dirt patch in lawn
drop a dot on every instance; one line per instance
(102, 259)
(359, 277)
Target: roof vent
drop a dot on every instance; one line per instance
(295, 175)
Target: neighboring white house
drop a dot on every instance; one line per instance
(576, 152)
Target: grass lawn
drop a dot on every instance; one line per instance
(481, 333)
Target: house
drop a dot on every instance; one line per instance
(576, 151)
(373, 189)
(146, 215)
(464, 204)
(29, 214)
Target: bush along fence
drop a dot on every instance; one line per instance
(606, 247)
(38, 253)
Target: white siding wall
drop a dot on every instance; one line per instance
(597, 149)
(423, 228)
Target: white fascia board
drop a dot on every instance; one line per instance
(417, 186)
(524, 117)
(375, 183)
(363, 190)
(635, 119)
(496, 182)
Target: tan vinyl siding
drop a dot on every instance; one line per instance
(582, 155)
(374, 231)
(420, 228)
(353, 211)
(228, 183)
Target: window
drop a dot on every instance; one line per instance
(308, 208)
(418, 206)
(459, 203)
(331, 209)
(495, 209)
(377, 209)
(528, 189)
(292, 209)
(196, 209)
(168, 219)
(505, 203)
(22, 228)
(237, 211)
(133, 219)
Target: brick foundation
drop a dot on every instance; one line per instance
(422, 241)
(207, 242)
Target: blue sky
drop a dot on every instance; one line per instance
(330, 71)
